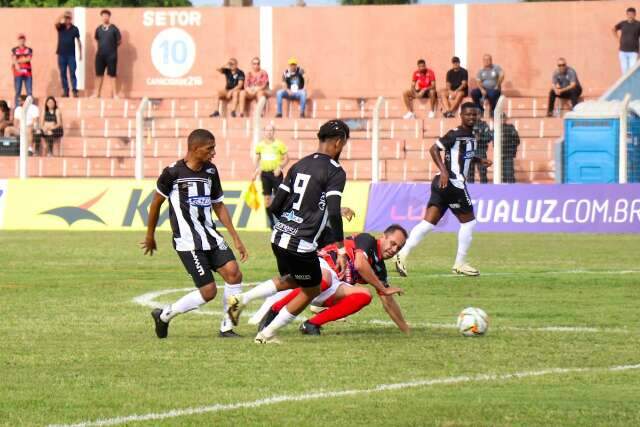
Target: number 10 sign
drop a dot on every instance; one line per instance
(173, 52)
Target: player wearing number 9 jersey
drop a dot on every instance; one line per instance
(306, 201)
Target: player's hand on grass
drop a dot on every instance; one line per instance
(244, 254)
(148, 245)
(348, 213)
(392, 291)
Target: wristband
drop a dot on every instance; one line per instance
(342, 251)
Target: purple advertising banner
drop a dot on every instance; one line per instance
(527, 208)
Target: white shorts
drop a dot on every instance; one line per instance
(333, 287)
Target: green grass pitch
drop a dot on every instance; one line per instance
(74, 347)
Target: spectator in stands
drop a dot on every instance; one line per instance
(271, 159)
(627, 32)
(457, 88)
(51, 129)
(295, 87)
(256, 85)
(234, 85)
(489, 80)
(108, 39)
(21, 58)
(423, 85)
(484, 136)
(32, 115)
(564, 85)
(510, 144)
(67, 36)
(5, 116)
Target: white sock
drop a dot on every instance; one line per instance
(263, 290)
(266, 306)
(226, 324)
(282, 319)
(417, 234)
(189, 302)
(465, 235)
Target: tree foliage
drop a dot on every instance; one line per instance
(95, 3)
(365, 2)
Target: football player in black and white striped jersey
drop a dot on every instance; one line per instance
(449, 191)
(306, 201)
(192, 186)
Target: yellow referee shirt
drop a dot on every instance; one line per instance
(271, 154)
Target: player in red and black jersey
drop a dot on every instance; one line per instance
(343, 297)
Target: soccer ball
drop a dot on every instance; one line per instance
(473, 322)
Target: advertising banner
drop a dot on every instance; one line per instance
(523, 208)
(108, 204)
(3, 196)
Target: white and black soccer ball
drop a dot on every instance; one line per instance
(473, 322)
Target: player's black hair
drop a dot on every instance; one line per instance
(455, 59)
(468, 105)
(103, 11)
(396, 227)
(422, 61)
(199, 137)
(333, 129)
(631, 9)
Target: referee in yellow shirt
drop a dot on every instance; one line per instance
(271, 159)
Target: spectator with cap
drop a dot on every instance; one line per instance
(627, 32)
(564, 85)
(423, 85)
(108, 39)
(256, 85)
(21, 57)
(68, 34)
(234, 85)
(457, 88)
(295, 87)
(489, 80)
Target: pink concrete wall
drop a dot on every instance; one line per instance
(347, 51)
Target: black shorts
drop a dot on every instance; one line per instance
(270, 182)
(304, 268)
(108, 62)
(201, 264)
(452, 197)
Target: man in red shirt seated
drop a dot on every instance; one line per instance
(21, 58)
(423, 85)
(342, 297)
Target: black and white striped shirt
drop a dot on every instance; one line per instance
(459, 146)
(191, 194)
(303, 215)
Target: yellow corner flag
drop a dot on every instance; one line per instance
(252, 198)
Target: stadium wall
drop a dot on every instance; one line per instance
(347, 51)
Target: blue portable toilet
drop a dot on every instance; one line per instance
(591, 143)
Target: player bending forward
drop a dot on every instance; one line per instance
(449, 191)
(192, 186)
(309, 197)
(365, 265)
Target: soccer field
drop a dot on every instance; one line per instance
(562, 348)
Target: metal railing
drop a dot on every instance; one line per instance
(257, 124)
(24, 137)
(497, 140)
(375, 141)
(139, 161)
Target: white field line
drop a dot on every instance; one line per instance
(252, 404)
(536, 273)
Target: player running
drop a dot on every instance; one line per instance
(192, 186)
(309, 197)
(365, 265)
(449, 191)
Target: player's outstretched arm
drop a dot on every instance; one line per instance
(366, 272)
(223, 215)
(149, 243)
(393, 310)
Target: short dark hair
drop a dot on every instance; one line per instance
(631, 9)
(455, 59)
(396, 227)
(333, 129)
(105, 11)
(422, 61)
(199, 137)
(468, 105)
